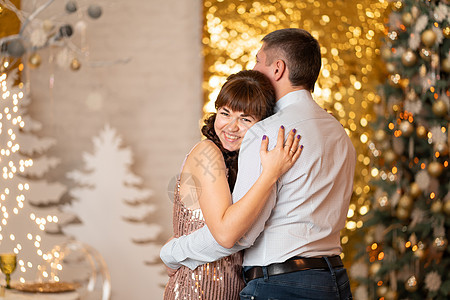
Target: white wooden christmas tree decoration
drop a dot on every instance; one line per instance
(30, 220)
(112, 208)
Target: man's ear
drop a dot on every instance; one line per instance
(280, 69)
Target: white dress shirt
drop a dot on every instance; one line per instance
(306, 209)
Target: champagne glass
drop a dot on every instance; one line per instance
(8, 265)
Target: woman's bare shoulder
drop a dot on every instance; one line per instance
(203, 155)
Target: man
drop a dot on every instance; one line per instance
(292, 251)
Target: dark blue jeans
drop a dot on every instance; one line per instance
(317, 284)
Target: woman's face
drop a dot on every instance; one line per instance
(231, 126)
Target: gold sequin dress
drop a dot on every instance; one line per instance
(219, 280)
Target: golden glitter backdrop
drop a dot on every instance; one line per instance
(350, 35)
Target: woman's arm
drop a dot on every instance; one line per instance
(229, 222)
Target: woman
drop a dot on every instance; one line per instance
(207, 178)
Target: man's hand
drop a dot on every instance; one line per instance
(170, 271)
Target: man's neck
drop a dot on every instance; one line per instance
(280, 92)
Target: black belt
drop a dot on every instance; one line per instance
(292, 265)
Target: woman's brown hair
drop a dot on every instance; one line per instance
(250, 92)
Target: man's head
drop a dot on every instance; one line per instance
(292, 54)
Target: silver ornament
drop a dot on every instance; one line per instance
(94, 11)
(71, 7)
(16, 48)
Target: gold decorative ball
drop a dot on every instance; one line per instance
(425, 54)
(446, 31)
(428, 37)
(439, 108)
(436, 206)
(442, 148)
(421, 131)
(397, 5)
(445, 64)
(390, 67)
(402, 213)
(419, 253)
(414, 190)
(440, 243)
(446, 207)
(389, 156)
(407, 128)
(407, 18)
(411, 284)
(48, 25)
(382, 291)
(380, 135)
(386, 53)
(75, 64)
(409, 58)
(34, 60)
(374, 268)
(435, 168)
(391, 295)
(405, 202)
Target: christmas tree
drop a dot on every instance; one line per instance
(30, 218)
(407, 230)
(114, 213)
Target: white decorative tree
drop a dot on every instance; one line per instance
(30, 218)
(112, 210)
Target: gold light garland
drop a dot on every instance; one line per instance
(350, 37)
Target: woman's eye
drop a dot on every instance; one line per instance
(247, 120)
(224, 113)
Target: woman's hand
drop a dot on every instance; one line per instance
(277, 161)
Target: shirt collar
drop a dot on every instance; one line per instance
(291, 98)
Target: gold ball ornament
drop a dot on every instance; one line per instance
(402, 213)
(391, 295)
(428, 37)
(380, 135)
(445, 64)
(407, 128)
(425, 54)
(436, 206)
(419, 253)
(421, 131)
(439, 108)
(409, 58)
(446, 31)
(406, 202)
(34, 60)
(382, 291)
(389, 156)
(397, 5)
(386, 53)
(374, 268)
(390, 67)
(440, 243)
(414, 190)
(75, 64)
(442, 148)
(407, 18)
(411, 284)
(435, 168)
(446, 207)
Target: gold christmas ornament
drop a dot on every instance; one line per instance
(391, 295)
(407, 128)
(48, 25)
(425, 54)
(428, 37)
(419, 253)
(445, 64)
(442, 148)
(407, 18)
(409, 58)
(421, 131)
(374, 268)
(389, 156)
(439, 108)
(386, 53)
(380, 135)
(411, 284)
(397, 5)
(440, 243)
(414, 190)
(446, 207)
(435, 168)
(75, 64)
(382, 291)
(402, 213)
(390, 67)
(446, 31)
(34, 60)
(436, 206)
(405, 202)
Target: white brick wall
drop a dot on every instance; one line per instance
(154, 101)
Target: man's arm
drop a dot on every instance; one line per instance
(200, 246)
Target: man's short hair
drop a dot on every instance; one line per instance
(299, 50)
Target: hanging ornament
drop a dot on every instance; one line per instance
(442, 148)
(421, 131)
(390, 67)
(446, 207)
(407, 18)
(440, 243)
(428, 37)
(380, 135)
(419, 253)
(407, 128)
(436, 207)
(435, 169)
(65, 31)
(414, 190)
(411, 284)
(397, 5)
(446, 31)
(71, 7)
(402, 213)
(409, 58)
(445, 65)
(386, 53)
(391, 295)
(389, 156)
(16, 48)
(406, 202)
(75, 64)
(48, 25)
(94, 11)
(34, 60)
(439, 108)
(382, 291)
(425, 54)
(374, 268)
